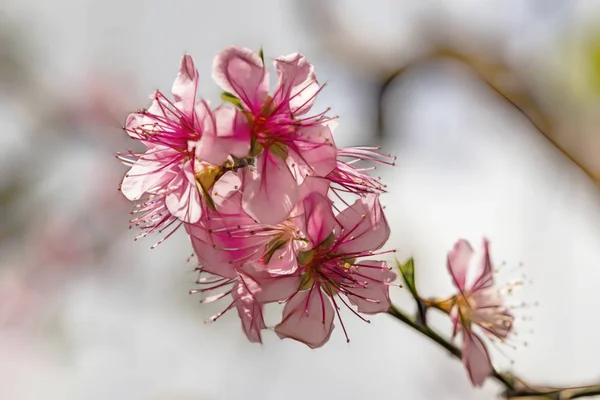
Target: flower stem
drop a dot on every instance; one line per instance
(514, 387)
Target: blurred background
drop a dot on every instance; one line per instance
(492, 108)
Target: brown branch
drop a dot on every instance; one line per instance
(514, 387)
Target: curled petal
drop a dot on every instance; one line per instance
(475, 358)
(241, 72)
(186, 83)
(297, 83)
(270, 191)
(374, 296)
(307, 318)
(459, 260)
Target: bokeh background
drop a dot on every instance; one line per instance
(490, 106)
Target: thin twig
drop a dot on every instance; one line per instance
(514, 387)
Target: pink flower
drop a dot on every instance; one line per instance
(332, 269)
(187, 145)
(227, 239)
(288, 146)
(478, 303)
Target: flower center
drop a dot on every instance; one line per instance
(465, 305)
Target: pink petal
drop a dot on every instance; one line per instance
(227, 196)
(241, 72)
(475, 358)
(365, 227)
(270, 191)
(221, 253)
(147, 175)
(183, 201)
(482, 276)
(459, 260)
(297, 83)
(316, 152)
(186, 83)
(307, 318)
(249, 309)
(275, 283)
(320, 220)
(227, 133)
(314, 184)
(375, 296)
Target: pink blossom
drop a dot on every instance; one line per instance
(333, 269)
(187, 144)
(289, 147)
(478, 303)
(228, 238)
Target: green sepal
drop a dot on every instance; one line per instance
(279, 149)
(305, 257)
(230, 98)
(209, 200)
(255, 148)
(407, 270)
(325, 244)
(306, 281)
(270, 248)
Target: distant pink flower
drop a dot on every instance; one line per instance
(289, 147)
(333, 268)
(478, 303)
(186, 145)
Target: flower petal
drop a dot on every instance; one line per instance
(307, 318)
(475, 358)
(147, 175)
(297, 83)
(375, 296)
(482, 275)
(186, 83)
(226, 133)
(249, 309)
(270, 190)
(183, 201)
(459, 260)
(319, 218)
(316, 154)
(277, 280)
(364, 226)
(241, 72)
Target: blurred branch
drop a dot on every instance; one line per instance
(389, 64)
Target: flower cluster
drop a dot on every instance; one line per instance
(253, 182)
